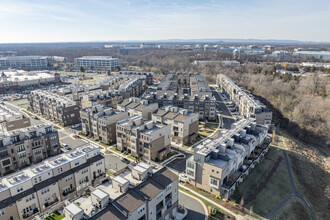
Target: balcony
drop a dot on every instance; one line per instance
(28, 214)
(68, 192)
(51, 203)
(160, 206)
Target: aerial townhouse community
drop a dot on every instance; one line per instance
(248, 105)
(184, 90)
(219, 165)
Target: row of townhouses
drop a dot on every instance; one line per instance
(203, 105)
(183, 83)
(100, 122)
(219, 165)
(25, 146)
(11, 120)
(248, 105)
(33, 190)
(149, 75)
(54, 107)
(139, 193)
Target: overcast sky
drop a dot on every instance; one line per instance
(112, 20)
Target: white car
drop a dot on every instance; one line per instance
(183, 177)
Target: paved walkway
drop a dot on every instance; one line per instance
(238, 217)
(295, 193)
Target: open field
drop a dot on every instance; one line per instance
(293, 209)
(271, 191)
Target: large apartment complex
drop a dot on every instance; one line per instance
(143, 138)
(54, 107)
(184, 124)
(100, 122)
(22, 147)
(97, 62)
(25, 62)
(136, 194)
(34, 190)
(219, 165)
(105, 98)
(149, 75)
(248, 105)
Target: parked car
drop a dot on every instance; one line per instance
(183, 177)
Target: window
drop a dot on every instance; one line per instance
(2, 212)
(214, 182)
(19, 188)
(159, 195)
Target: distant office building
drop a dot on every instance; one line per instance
(219, 165)
(131, 50)
(144, 139)
(15, 79)
(148, 45)
(54, 107)
(248, 105)
(8, 53)
(100, 122)
(24, 62)
(280, 53)
(97, 62)
(22, 147)
(323, 55)
(184, 124)
(232, 63)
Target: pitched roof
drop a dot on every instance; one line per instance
(165, 176)
(150, 188)
(131, 200)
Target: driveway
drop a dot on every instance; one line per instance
(195, 208)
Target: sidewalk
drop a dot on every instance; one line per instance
(238, 217)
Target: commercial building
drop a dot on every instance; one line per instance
(149, 75)
(219, 165)
(184, 124)
(144, 139)
(100, 122)
(22, 147)
(248, 106)
(11, 120)
(54, 107)
(36, 189)
(97, 62)
(203, 105)
(137, 107)
(24, 62)
(323, 55)
(15, 79)
(137, 194)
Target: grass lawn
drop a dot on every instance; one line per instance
(276, 188)
(132, 157)
(172, 153)
(293, 209)
(221, 213)
(114, 148)
(205, 133)
(109, 172)
(55, 216)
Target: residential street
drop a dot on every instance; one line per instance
(195, 208)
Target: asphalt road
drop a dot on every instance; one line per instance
(223, 110)
(194, 207)
(179, 164)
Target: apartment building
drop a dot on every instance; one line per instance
(100, 122)
(219, 165)
(33, 190)
(149, 75)
(184, 124)
(143, 138)
(204, 105)
(54, 107)
(22, 147)
(11, 120)
(126, 197)
(105, 98)
(97, 62)
(248, 106)
(137, 107)
(75, 92)
(24, 62)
